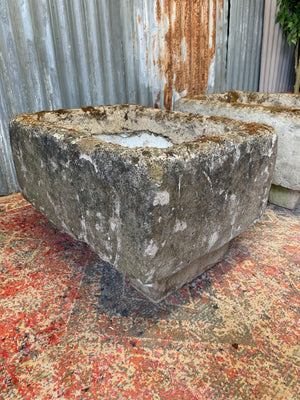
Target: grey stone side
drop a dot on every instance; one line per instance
(148, 211)
(282, 111)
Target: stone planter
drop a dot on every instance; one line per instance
(282, 111)
(162, 202)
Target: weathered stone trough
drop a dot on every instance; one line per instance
(282, 111)
(157, 194)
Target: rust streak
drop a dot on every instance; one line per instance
(158, 11)
(157, 101)
(187, 54)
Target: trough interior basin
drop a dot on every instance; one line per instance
(126, 126)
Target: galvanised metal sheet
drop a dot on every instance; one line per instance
(73, 53)
(56, 54)
(277, 72)
(244, 44)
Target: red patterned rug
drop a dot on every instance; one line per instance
(73, 328)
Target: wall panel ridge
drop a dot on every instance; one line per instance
(277, 57)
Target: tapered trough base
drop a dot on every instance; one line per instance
(284, 197)
(158, 290)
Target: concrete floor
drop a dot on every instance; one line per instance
(73, 328)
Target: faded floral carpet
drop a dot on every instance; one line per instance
(73, 328)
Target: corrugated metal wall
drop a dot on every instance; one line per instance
(244, 44)
(277, 57)
(174, 42)
(72, 53)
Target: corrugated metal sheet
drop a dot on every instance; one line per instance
(56, 54)
(73, 53)
(218, 68)
(174, 41)
(244, 44)
(277, 61)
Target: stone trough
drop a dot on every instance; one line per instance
(157, 194)
(282, 111)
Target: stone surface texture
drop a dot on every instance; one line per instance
(151, 212)
(280, 110)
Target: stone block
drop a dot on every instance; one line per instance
(284, 197)
(158, 194)
(280, 110)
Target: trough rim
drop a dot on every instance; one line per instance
(239, 132)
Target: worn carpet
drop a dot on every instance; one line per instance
(73, 328)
